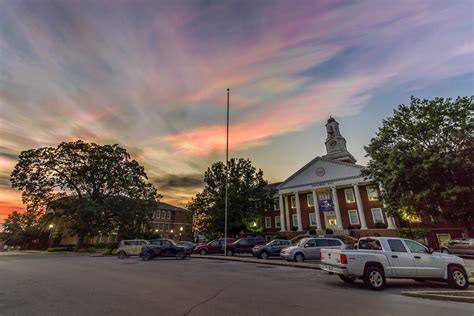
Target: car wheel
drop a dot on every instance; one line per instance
(346, 279)
(146, 256)
(203, 252)
(457, 278)
(444, 250)
(180, 255)
(374, 278)
(121, 254)
(229, 253)
(299, 257)
(264, 255)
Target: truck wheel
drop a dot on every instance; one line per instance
(122, 255)
(203, 252)
(299, 257)
(374, 278)
(346, 279)
(264, 255)
(457, 278)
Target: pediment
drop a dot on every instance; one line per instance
(321, 170)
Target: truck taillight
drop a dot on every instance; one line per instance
(322, 255)
(343, 259)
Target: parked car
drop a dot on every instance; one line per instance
(132, 247)
(187, 244)
(460, 247)
(244, 245)
(214, 246)
(310, 248)
(378, 258)
(273, 248)
(163, 248)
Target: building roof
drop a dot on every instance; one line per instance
(169, 207)
(272, 186)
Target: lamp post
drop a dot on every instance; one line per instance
(180, 232)
(50, 230)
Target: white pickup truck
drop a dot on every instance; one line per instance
(377, 258)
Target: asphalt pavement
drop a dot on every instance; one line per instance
(75, 284)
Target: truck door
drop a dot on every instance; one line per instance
(401, 261)
(428, 265)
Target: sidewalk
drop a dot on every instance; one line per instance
(284, 263)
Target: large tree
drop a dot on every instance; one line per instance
(81, 182)
(22, 228)
(246, 189)
(423, 158)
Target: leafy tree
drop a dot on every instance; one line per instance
(21, 229)
(82, 183)
(246, 188)
(423, 157)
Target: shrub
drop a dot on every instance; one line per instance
(82, 250)
(279, 236)
(312, 231)
(329, 231)
(294, 228)
(57, 249)
(91, 249)
(380, 225)
(415, 234)
(107, 252)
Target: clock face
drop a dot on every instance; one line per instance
(320, 172)
(332, 143)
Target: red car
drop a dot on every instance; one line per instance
(214, 246)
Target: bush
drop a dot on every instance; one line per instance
(279, 236)
(82, 250)
(380, 225)
(107, 252)
(58, 249)
(312, 231)
(91, 249)
(329, 231)
(294, 228)
(415, 234)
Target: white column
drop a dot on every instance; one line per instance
(360, 207)
(316, 210)
(390, 220)
(336, 207)
(282, 213)
(287, 213)
(298, 211)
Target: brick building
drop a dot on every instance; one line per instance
(172, 222)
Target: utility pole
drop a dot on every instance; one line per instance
(226, 176)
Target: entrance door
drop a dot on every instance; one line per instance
(330, 219)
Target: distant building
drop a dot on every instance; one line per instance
(172, 222)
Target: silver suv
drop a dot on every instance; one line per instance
(310, 248)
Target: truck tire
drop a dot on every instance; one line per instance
(346, 279)
(374, 278)
(457, 278)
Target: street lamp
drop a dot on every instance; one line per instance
(51, 226)
(180, 232)
(50, 230)
(156, 230)
(171, 231)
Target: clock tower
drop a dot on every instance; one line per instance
(336, 144)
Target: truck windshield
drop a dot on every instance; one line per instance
(369, 244)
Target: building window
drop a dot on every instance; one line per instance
(312, 219)
(309, 199)
(276, 204)
(157, 214)
(332, 221)
(443, 238)
(268, 222)
(377, 215)
(293, 201)
(168, 215)
(349, 193)
(353, 217)
(277, 221)
(163, 215)
(295, 220)
(372, 194)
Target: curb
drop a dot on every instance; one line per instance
(443, 296)
(314, 266)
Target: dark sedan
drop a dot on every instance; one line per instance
(163, 248)
(273, 248)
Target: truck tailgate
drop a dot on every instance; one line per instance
(331, 256)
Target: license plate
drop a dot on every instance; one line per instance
(330, 268)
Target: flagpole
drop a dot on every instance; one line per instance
(226, 176)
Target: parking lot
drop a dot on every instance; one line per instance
(73, 284)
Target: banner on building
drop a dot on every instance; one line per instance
(325, 202)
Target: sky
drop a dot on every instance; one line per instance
(152, 77)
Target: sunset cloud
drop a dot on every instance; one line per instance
(152, 76)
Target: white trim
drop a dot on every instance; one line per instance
(350, 218)
(294, 220)
(381, 214)
(268, 222)
(353, 195)
(311, 223)
(277, 225)
(293, 201)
